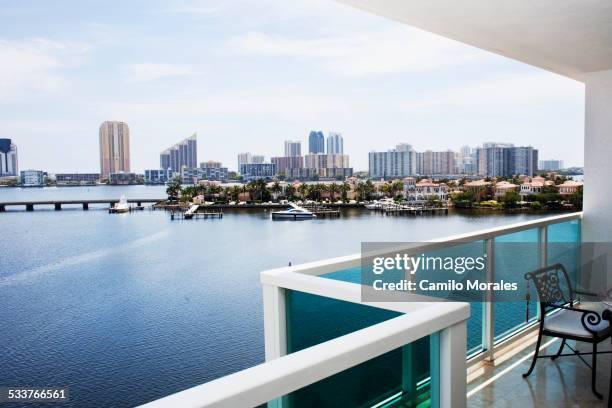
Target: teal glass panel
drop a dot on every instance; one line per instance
(389, 380)
(515, 255)
(313, 319)
(564, 240)
(400, 374)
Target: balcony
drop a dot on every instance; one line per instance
(325, 346)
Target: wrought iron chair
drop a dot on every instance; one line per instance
(569, 322)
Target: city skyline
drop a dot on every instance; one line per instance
(303, 66)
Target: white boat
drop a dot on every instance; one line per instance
(379, 204)
(294, 213)
(122, 206)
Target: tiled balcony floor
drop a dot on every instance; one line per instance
(565, 382)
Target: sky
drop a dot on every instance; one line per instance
(248, 74)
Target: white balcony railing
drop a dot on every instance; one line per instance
(443, 322)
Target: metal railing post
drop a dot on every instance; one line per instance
(488, 315)
(543, 257)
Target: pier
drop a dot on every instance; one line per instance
(398, 209)
(322, 211)
(57, 204)
(194, 212)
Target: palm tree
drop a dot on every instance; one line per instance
(333, 188)
(344, 189)
(290, 192)
(396, 187)
(257, 188)
(173, 189)
(384, 189)
(276, 188)
(303, 190)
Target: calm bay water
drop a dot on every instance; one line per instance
(128, 308)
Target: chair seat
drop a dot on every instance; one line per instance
(569, 323)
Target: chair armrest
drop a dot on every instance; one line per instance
(588, 319)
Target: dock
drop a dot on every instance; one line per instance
(400, 209)
(194, 212)
(322, 211)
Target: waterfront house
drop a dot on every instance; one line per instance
(417, 352)
(569, 187)
(476, 186)
(534, 185)
(424, 190)
(502, 187)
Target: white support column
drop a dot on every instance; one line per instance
(597, 223)
(275, 324)
(488, 315)
(275, 328)
(453, 379)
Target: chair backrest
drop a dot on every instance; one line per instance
(553, 285)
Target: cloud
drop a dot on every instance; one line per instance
(150, 71)
(516, 89)
(385, 51)
(36, 65)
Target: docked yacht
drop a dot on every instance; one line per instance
(122, 206)
(294, 213)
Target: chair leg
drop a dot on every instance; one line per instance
(556, 356)
(594, 373)
(535, 355)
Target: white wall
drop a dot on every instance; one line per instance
(597, 223)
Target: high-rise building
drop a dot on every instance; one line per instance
(8, 158)
(114, 148)
(316, 142)
(550, 165)
(335, 144)
(254, 171)
(326, 161)
(431, 163)
(466, 160)
(287, 163)
(506, 160)
(211, 164)
(244, 158)
(400, 162)
(293, 148)
(403, 147)
(258, 159)
(184, 153)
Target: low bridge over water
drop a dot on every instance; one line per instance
(29, 205)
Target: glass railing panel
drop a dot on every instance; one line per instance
(472, 249)
(313, 319)
(515, 255)
(394, 379)
(564, 240)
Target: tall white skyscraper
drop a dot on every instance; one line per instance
(293, 148)
(114, 148)
(258, 159)
(335, 144)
